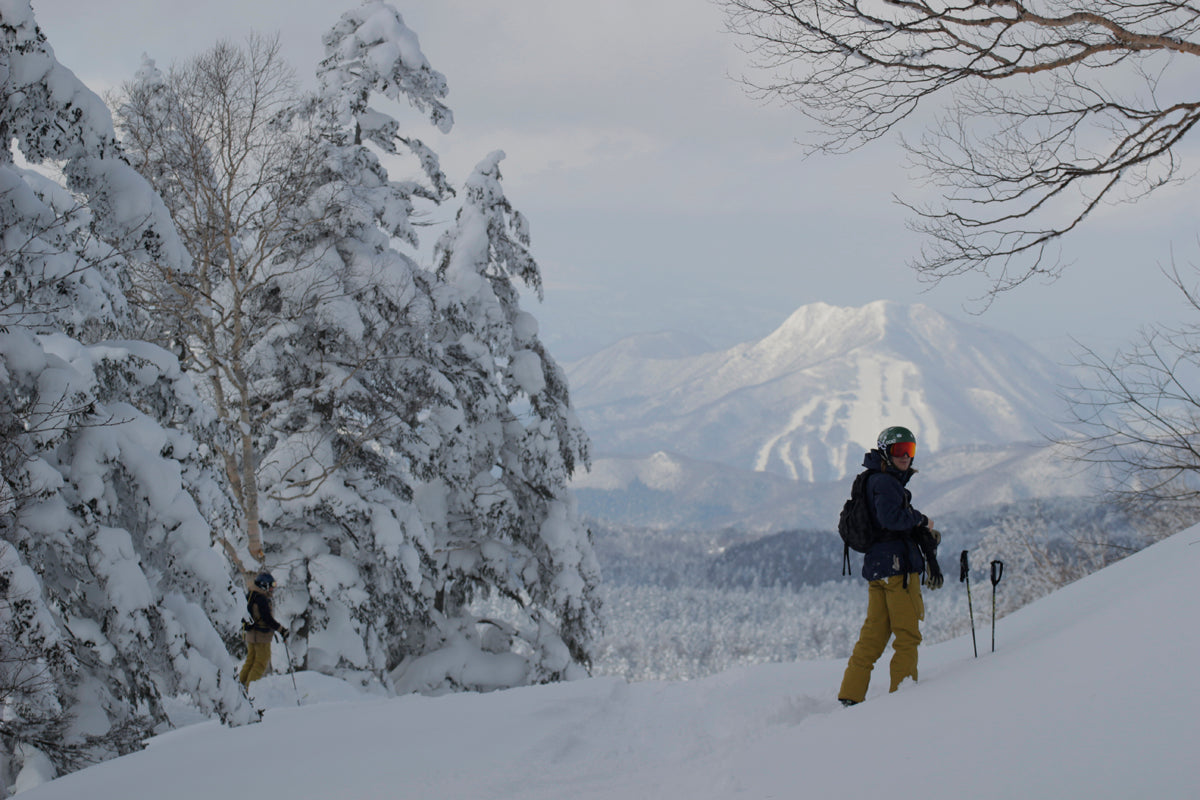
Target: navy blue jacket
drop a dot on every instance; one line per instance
(898, 552)
(259, 606)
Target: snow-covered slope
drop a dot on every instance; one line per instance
(1091, 693)
(805, 401)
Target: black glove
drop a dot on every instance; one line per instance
(928, 540)
(933, 576)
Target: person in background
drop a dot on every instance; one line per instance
(906, 548)
(260, 629)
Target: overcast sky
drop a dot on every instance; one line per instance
(661, 196)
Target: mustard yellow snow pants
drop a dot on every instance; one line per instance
(258, 657)
(891, 609)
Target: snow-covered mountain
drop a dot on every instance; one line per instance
(808, 399)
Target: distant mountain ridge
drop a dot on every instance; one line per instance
(670, 491)
(807, 400)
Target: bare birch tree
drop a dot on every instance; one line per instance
(1140, 413)
(208, 137)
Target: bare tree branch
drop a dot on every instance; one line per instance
(1032, 137)
(1140, 413)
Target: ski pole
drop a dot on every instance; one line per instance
(964, 574)
(291, 669)
(997, 573)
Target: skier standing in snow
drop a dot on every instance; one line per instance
(906, 547)
(261, 629)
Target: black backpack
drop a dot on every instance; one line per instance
(856, 524)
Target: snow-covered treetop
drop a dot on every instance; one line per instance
(371, 49)
(53, 116)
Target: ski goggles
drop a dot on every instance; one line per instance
(898, 449)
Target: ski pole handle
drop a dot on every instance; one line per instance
(997, 571)
(964, 569)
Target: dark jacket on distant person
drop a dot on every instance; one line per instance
(258, 605)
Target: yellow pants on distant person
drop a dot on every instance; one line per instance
(892, 609)
(258, 657)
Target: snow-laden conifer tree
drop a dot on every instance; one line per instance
(511, 526)
(413, 416)
(109, 582)
(344, 450)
